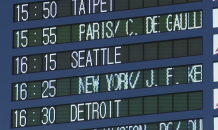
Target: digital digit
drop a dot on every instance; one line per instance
(24, 11)
(16, 118)
(22, 118)
(43, 85)
(46, 9)
(49, 10)
(45, 35)
(53, 34)
(22, 65)
(48, 85)
(17, 91)
(18, 13)
(53, 14)
(22, 94)
(50, 110)
(46, 62)
(49, 36)
(18, 39)
(51, 60)
(18, 66)
(47, 114)
(22, 37)
(52, 87)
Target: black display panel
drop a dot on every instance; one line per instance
(102, 109)
(107, 55)
(108, 29)
(110, 82)
(65, 8)
(189, 124)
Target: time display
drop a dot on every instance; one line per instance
(107, 29)
(107, 109)
(67, 60)
(64, 8)
(190, 124)
(107, 55)
(107, 82)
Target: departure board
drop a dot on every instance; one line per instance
(65, 8)
(109, 65)
(106, 56)
(107, 109)
(188, 124)
(108, 29)
(107, 82)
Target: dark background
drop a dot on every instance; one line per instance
(6, 77)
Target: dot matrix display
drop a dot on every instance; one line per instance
(107, 82)
(172, 45)
(191, 124)
(108, 29)
(107, 109)
(65, 8)
(107, 55)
